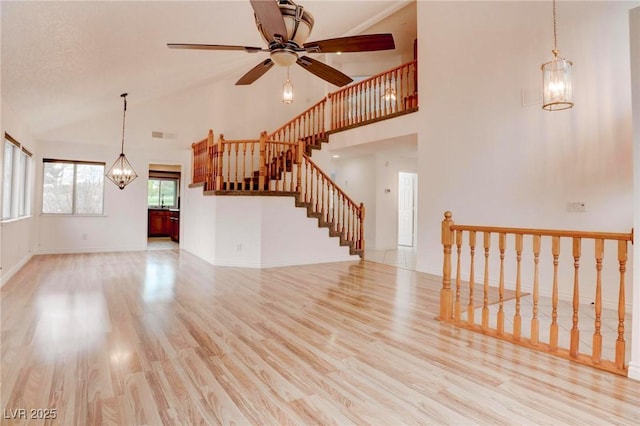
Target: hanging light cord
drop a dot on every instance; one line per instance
(124, 114)
(555, 31)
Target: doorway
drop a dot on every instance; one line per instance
(163, 206)
(407, 194)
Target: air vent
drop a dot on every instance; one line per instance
(157, 134)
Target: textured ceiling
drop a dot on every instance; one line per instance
(64, 61)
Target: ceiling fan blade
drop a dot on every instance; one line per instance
(268, 14)
(324, 71)
(360, 43)
(255, 73)
(192, 46)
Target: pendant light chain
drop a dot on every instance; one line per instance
(555, 31)
(124, 115)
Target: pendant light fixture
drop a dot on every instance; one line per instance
(557, 89)
(121, 173)
(287, 90)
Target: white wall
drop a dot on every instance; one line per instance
(17, 236)
(124, 223)
(388, 165)
(255, 232)
(491, 160)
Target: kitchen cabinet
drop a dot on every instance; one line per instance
(174, 224)
(159, 224)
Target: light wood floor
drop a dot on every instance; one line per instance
(161, 337)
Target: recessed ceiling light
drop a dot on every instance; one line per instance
(335, 156)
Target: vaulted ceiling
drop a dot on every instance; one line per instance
(67, 60)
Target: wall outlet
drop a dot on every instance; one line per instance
(576, 206)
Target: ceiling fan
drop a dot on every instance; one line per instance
(285, 26)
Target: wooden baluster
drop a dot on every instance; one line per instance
(251, 167)
(237, 145)
(485, 299)
(195, 167)
(553, 329)
(333, 206)
(343, 227)
(397, 84)
(370, 98)
(502, 239)
(575, 332)
(472, 252)
(324, 205)
(350, 226)
(402, 90)
(313, 186)
(517, 319)
(244, 165)
(597, 337)
(299, 167)
(307, 186)
(535, 322)
(263, 161)
(220, 179)
(620, 343)
(456, 309)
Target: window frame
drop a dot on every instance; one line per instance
(74, 185)
(16, 195)
(176, 182)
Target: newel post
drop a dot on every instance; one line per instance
(445, 293)
(220, 155)
(362, 229)
(263, 160)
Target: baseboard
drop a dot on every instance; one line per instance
(89, 250)
(277, 264)
(7, 274)
(634, 371)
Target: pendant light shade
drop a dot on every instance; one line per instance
(287, 90)
(121, 173)
(557, 87)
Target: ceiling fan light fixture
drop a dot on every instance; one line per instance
(284, 57)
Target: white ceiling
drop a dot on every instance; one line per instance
(64, 61)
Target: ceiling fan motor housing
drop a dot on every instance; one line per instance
(298, 22)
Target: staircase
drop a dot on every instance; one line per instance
(280, 163)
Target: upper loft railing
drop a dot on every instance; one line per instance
(555, 325)
(385, 95)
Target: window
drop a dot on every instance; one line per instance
(162, 192)
(72, 187)
(16, 182)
